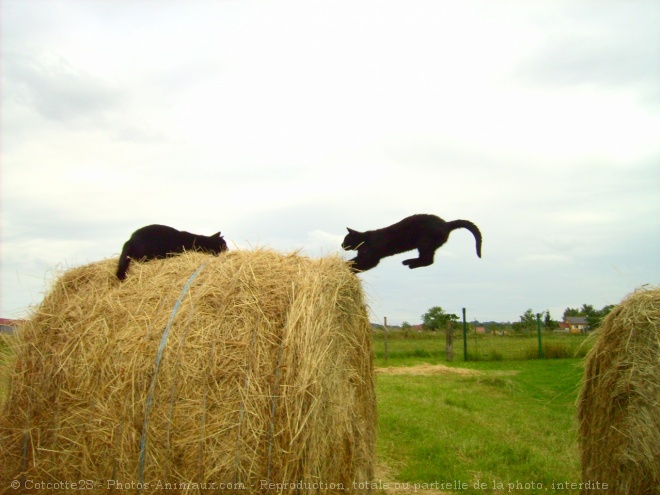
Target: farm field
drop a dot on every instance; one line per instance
(512, 423)
(507, 425)
(510, 427)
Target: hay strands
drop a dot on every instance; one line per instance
(154, 378)
(262, 371)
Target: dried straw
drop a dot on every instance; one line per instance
(249, 368)
(427, 369)
(619, 404)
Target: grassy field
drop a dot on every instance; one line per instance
(512, 423)
(508, 428)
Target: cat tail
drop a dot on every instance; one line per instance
(466, 224)
(124, 261)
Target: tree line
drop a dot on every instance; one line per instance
(436, 318)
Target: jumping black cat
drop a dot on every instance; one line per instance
(426, 233)
(160, 241)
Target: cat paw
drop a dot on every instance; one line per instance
(416, 263)
(412, 263)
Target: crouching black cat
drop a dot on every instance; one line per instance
(426, 233)
(160, 241)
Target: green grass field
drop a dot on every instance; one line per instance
(515, 422)
(509, 429)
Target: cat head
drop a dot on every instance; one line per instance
(218, 243)
(353, 240)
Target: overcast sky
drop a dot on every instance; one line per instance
(281, 123)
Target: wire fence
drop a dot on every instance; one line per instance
(461, 344)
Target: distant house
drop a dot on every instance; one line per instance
(8, 326)
(576, 324)
(481, 329)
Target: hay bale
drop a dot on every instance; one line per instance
(249, 368)
(619, 404)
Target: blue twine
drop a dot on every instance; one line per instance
(159, 357)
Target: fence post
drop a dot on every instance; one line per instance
(385, 328)
(465, 358)
(449, 341)
(538, 331)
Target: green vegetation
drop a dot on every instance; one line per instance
(429, 347)
(4, 347)
(512, 423)
(4, 360)
(436, 318)
(594, 316)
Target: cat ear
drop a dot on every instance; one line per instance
(351, 231)
(217, 234)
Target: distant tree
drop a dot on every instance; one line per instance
(405, 327)
(594, 319)
(587, 309)
(548, 322)
(527, 322)
(436, 318)
(593, 316)
(529, 317)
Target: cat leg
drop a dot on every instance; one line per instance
(363, 263)
(425, 259)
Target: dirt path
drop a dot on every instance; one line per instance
(427, 369)
(439, 369)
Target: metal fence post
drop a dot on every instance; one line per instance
(538, 331)
(465, 358)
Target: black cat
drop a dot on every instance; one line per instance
(426, 233)
(160, 241)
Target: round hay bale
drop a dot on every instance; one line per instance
(619, 404)
(252, 370)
